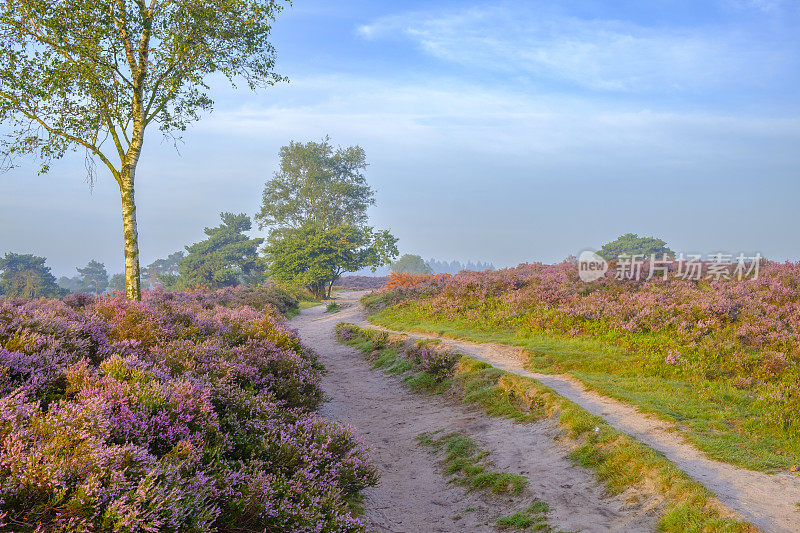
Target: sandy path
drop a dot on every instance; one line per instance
(412, 495)
(770, 502)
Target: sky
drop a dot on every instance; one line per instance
(497, 131)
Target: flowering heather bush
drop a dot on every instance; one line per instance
(263, 297)
(745, 333)
(435, 362)
(173, 414)
(406, 280)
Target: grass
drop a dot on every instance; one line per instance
(465, 462)
(726, 423)
(333, 307)
(533, 518)
(426, 383)
(305, 304)
(301, 304)
(621, 462)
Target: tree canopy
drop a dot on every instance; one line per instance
(93, 75)
(93, 277)
(227, 257)
(315, 207)
(317, 185)
(73, 284)
(117, 283)
(163, 272)
(315, 257)
(632, 244)
(412, 264)
(27, 276)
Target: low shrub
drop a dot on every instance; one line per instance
(185, 412)
(433, 363)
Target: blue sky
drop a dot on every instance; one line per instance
(499, 131)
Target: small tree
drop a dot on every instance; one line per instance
(72, 284)
(315, 258)
(164, 272)
(632, 244)
(413, 264)
(95, 74)
(225, 258)
(94, 277)
(316, 209)
(27, 276)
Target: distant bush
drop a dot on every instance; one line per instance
(360, 283)
(411, 264)
(631, 244)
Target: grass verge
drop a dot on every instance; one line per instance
(726, 423)
(621, 462)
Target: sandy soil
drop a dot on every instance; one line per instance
(413, 495)
(770, 502)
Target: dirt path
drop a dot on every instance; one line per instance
(412, 494)
(770, 502)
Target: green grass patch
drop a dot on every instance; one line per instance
(466, 463)
(333, 307)
(386, 358)
(306, 304)
(426, 383)
(726, 423)
(533, 518)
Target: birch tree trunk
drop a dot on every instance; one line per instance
(131, 235)
(130, 231)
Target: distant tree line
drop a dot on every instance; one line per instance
(314, 207)
(307, 247)
(454, 267)
(414, 264)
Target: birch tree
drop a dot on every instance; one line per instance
(94, 75)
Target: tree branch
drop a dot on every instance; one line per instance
(125, 38)
(31, 115)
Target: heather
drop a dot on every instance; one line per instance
(718, 356)
(183, 412)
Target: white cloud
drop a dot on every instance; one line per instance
(596, 54)
(449, 116)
